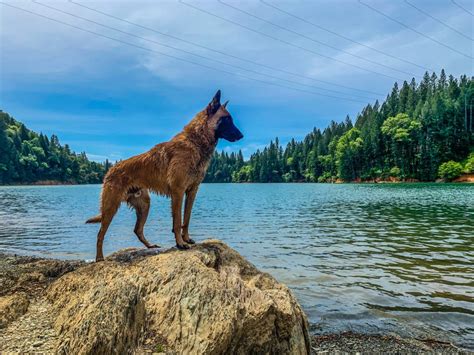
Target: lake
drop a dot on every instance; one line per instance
(362, 257)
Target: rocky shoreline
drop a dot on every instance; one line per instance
(463, 179)
(205, 300)
(356, 343)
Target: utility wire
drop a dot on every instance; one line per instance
(438, 20)
(414, 30)
(343, 36)
(302, 35)
(462, 8)
(283, 41)
(175, 57)
(194, 54)
(221, 52)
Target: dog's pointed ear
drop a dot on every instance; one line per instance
(225, 104)
(214, 104)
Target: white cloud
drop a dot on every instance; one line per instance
(38, 46)
(40, 56)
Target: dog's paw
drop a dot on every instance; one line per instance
(190, 241)
(151, 246)
(182, 247)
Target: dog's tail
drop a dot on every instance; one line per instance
(95, 219)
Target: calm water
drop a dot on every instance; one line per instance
(363, 257)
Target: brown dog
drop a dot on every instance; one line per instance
(174, 169)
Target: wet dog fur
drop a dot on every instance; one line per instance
(174, 169)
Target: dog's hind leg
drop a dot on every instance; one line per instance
(140, 201)
(110, 204)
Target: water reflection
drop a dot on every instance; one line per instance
(361, 257)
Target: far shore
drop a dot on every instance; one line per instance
(466, 179)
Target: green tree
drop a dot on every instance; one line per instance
(348, 155)
(26, 157)
(402, 132)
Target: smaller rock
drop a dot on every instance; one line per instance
(38, 343)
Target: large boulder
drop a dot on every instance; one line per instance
(206, 300)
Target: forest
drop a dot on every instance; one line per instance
(421, 132)
(29, 157)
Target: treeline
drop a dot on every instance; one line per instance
(29, 157)
(418, 133)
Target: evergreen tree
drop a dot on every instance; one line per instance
(408, 136)
(28, 157)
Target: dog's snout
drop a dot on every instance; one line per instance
(240, 136)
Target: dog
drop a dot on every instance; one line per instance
(174, 169)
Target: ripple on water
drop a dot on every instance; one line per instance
(358, 257)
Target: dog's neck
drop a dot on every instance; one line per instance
(201, 135)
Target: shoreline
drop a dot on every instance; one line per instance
(469, 180)
(390, 343)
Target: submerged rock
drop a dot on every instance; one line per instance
(206, 300)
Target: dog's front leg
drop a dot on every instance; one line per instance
(176, 206)
(188, 206)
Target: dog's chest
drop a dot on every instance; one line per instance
(199, 168)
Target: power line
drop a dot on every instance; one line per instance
(342, 36)
(462, 8)
(438, 20)
(221, 52)
(191, 53)
(414, 30)
(283, 41)
(175, 57)
(302, 35)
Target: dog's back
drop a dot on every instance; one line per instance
(147, 170)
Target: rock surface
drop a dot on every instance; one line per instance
(207, 300)
(12, 307)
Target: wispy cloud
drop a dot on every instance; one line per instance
(62, 80)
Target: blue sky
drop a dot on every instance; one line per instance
(114, 100)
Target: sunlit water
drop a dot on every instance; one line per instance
(371, 258)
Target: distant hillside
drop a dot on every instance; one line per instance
(29, 157)
(420, 132)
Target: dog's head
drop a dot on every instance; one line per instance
(220, 120)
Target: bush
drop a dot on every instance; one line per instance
(450, 170)
(469, 166)
(326, 177)
(395, 172)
